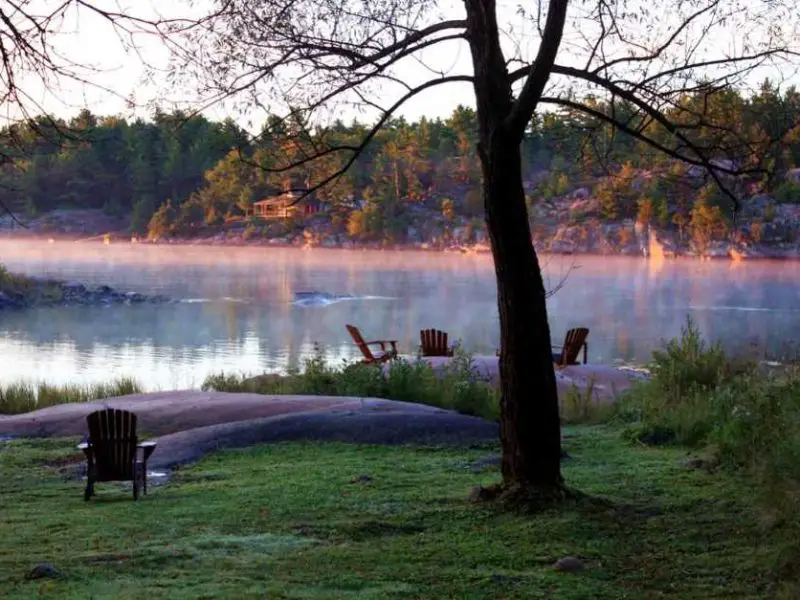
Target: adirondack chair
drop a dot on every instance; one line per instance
(573, 342)
(112, 451)
(385, 353)
(434, 343)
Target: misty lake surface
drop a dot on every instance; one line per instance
(237, 309)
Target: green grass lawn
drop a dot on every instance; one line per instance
(295, 521)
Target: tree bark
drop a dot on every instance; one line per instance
(530, 428)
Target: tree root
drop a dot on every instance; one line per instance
(535, 498)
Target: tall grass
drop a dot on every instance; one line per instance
(455, 386)
(18, 398)
(579, 406)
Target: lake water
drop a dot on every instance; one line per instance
(238, 312)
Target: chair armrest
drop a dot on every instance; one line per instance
(382, 342)
(148, 448)
(83, 446)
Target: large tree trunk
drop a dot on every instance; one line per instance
(530, 428)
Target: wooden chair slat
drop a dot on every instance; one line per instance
(434, 343)
(574, 341)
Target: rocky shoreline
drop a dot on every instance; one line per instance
(48, 292)
(660, 247)
(566, 226)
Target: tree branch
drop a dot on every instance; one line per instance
(539, 71)
(356, 150)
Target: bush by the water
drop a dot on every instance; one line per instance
(454, 386)
(744, 413)
(14, 282)
(18, 398)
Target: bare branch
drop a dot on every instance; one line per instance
(540, 70)
(355, 151)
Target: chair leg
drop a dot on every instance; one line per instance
(89, 491)
(135, 485)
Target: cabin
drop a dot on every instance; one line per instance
(720, 163)
(286, 205)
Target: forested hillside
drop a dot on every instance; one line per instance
(175, 175)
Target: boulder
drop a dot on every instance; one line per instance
(569, 564)
(42, 571)
(10, 300)
(74, 287)
(134, 297)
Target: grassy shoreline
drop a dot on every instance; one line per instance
(342, 521)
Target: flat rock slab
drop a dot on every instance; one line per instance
(162, 413)
(354, 427)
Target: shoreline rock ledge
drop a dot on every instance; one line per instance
(50, 292)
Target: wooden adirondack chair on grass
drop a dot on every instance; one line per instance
(573, 342)
(434, 343)
(112, 451)
(385, 353)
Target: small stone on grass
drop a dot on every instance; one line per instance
(361, 479)
(43, 570)
(569, 564)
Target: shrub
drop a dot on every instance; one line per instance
(454, 387)
(687, 364)
(14, 282)
(748, 415)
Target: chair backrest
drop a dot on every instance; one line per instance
(434, 342)
(359, 340)
(573, 342)
(112, 438)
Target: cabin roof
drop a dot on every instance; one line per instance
(288, 196)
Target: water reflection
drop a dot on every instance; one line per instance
(238, 313)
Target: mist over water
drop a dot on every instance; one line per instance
(240, 312)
